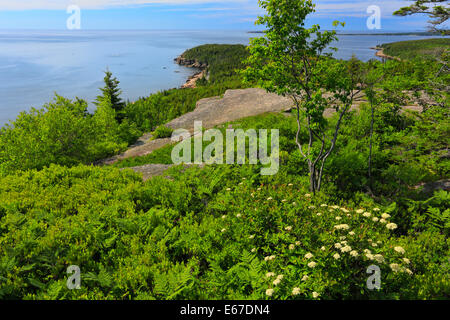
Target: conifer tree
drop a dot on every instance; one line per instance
(111, 93)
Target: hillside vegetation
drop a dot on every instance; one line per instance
(225, 231)
(432, 48)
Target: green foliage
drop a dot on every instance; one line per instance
(223, 60)
(437, 10)
(162, 132)
(417, 48)
(111, 94)
(62, 132)
(220, 234)
(290, 61)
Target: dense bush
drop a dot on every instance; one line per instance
(213, 233)
(162, 132)
(64, 133)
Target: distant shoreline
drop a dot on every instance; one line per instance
(424, 33)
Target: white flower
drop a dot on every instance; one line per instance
(228, 189)
(270, 274)
(319, 214)
(336, 256)
(307, 195)
(374, 244)
(367, 214)
(379, 258)
(369, 256)
(367, 251)
(294, 203)
(290, 184)
(354, 253)
(284, 200)
(342, 227)
(376, 209)
(312, 264)
(324, 205)
(323, 248)
(315, 294)
(406, 260)
(375, 219)
(291, 246)
(254, 250)
(338, 245)
(344, 210)
(391, 226)
(331, 210)
(297, 243)
(335, 207)
(238, 215)
(259, 189)
(400, 250)
(269, 292)
(224, 216)
(311, 207)
(382, 220)
(408, 271)
(288, 228)
(296, 291)
(338, 218)
(280, 277)
(342, 237)
(385, 216)
(305, 277)
(360, 211)
(223, 230)
(252, 236)
(346, 249)
(395, 267)
(309, 255)
(352, 233)
(276, 282)
(269, 198)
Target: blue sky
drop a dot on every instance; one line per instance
(191, 14)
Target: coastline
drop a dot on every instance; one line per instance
(380, 54)
(191, 81)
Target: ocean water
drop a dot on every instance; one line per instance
(36, 64)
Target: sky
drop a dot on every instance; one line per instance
(193, 15)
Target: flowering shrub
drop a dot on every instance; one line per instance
(211, 233)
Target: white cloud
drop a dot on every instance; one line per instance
(97, 4)
(245, 8)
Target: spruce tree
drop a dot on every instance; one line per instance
(111, 93)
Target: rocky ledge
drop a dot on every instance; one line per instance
(190, 63)
(190, 83)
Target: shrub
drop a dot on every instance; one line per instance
(162, 132)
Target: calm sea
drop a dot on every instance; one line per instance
(35, 64)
